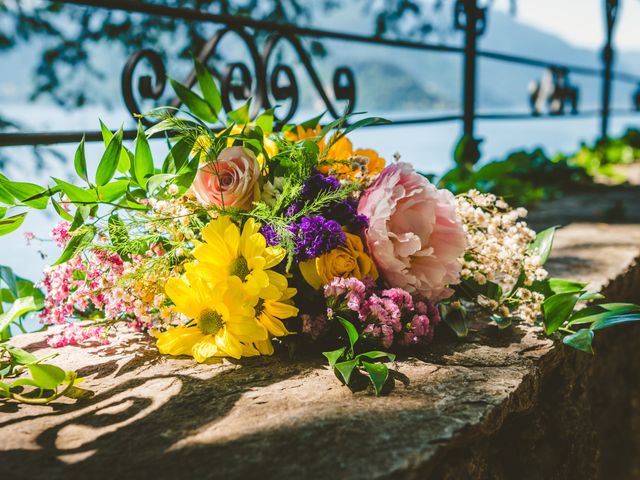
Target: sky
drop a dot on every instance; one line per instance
(580, 22)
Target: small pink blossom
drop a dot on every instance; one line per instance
(60, 233)
(29, 236)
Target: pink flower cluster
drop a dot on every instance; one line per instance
(74, 334)
(392, 315)
(86, 284)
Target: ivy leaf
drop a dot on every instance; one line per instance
(142, 167)
(20, 356)
(456, 319)
(194, 102)
(615, 320)
(543, 243)
(581, 340)
(19, 308)
(9, 279)
(81, 239)
(10, 224)
(345, 370)
(109, 161)
(557, 309)
(80, 162)
(376, 354)
(378, 374)
(560, 285)
(502, 322)
(352, 333)
(45, 376)
(209, 88)
(334, 355)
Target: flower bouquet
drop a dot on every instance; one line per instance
(246, 240)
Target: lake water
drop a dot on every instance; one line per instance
(428, 147)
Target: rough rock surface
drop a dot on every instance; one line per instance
(500, 404)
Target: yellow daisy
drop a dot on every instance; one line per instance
(222, 319)
(226, 251)
(270, 314)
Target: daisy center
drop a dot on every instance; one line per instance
(210, 322)
(239, 268)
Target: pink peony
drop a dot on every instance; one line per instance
(230, 181)
(414, 235)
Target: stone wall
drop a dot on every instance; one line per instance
(499, 404)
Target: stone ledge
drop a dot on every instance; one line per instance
(496, 405)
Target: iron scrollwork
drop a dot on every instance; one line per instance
(239, 82)
(553, 93)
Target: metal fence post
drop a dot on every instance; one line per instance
(471, 19)
(611, 12)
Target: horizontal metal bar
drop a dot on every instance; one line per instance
(136, 6)
(53, 138)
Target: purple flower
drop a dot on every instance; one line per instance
(315, 236)
(346, 212)
(270, 235)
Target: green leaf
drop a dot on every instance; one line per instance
(376, 354)
(456, 319)
(78, 393)
(157, 180)
(162, 126)
(76, 195)
(378, 374)
(28, 194)
(240, 115)
(82, 213)
(188, 174)
(620, 306)
(489, 289)
(80, 240)
(47, 377)
(125, 158)
(543, 244)
(352, 333)
(194, 102)
(557, 309)
(334, 355)
(9, 279)
(20, 356)
(80, 162)
(10, 224)
(265, 120)
(3, 212)
(5, 196)
(590, 296)
(61, 211)
(615, 320)
(581, 340)
(502, 322)
(178, 157)
(109, 161)
(112, 191)
(365, 122)
(345, 369)
(117, 232)
(142, 161)
(560, 285)
(208, 87)
(19, 308)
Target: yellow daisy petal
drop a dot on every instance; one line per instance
(184, 298)
(232, 239)
(204, 349)
(265, 347)
(280, 310)
(273, 325)
(229, 344)
(178, 340)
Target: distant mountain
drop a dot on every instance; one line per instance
(387, 78)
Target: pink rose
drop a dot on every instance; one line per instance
(230, 181)
(414, 234)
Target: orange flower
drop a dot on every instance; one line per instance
(341, 160)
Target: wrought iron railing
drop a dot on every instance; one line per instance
(553, 96)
